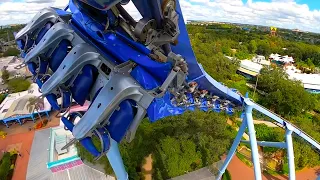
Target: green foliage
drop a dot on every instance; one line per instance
(285, 167)
(178, 144)
(11, 52)
(304, 155)
(286, 97)
(2, 97)
(18, 84)
(9, 31)
(265, 133)
(252, 47)
(5, 166)
(179, 155)
(5, 75)
(243, 55)
(226, 175)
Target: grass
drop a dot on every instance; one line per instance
(244, 159)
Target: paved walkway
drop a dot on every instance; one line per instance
(240, 171)
(268, 123)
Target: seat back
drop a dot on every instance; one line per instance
(59, 54)
(43, 31)
(81, 86)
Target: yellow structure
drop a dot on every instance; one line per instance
(273, 28)
(273, 31)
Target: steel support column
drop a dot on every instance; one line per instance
(253, 139)
(116, 162)
(292, 175)
(232, 149)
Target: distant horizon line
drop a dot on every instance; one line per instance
(15, 24)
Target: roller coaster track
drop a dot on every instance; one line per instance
(282, 123)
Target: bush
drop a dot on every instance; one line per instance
(226, 175)
(18, 84)
(2, 97)
(11, 52)
(5, 75)
(5, 166)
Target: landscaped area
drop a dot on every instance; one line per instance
(7, 165)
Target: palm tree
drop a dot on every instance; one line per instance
(34, 104)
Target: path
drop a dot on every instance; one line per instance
(245, 135)
(147, 168)
(267, 123)
(240, 171)
(24, 142)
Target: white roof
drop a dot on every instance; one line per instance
(292, 69)
(11, 98)
(311, 79)
(252, 66)
(280, 58)
(311, 86)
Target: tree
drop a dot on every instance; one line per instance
(5, 166)
(5, 75)
(252, 47)
(264, 48)
(284, 96)
(35, 103)
(179, 155)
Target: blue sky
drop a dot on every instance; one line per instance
(292, 14)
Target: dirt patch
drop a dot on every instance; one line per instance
(147, 168)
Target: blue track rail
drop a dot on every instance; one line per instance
(283, 123)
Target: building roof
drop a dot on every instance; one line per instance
(21, 106)
(79, 173)
(37, 166)
(18, 103)
(251, 66)
(312, 79)
(285, 59)
(252, 73)
(311, 86)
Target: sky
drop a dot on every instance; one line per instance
(291, 14)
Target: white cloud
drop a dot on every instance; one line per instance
(39, 1)
(22, 12)
(281, 13)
